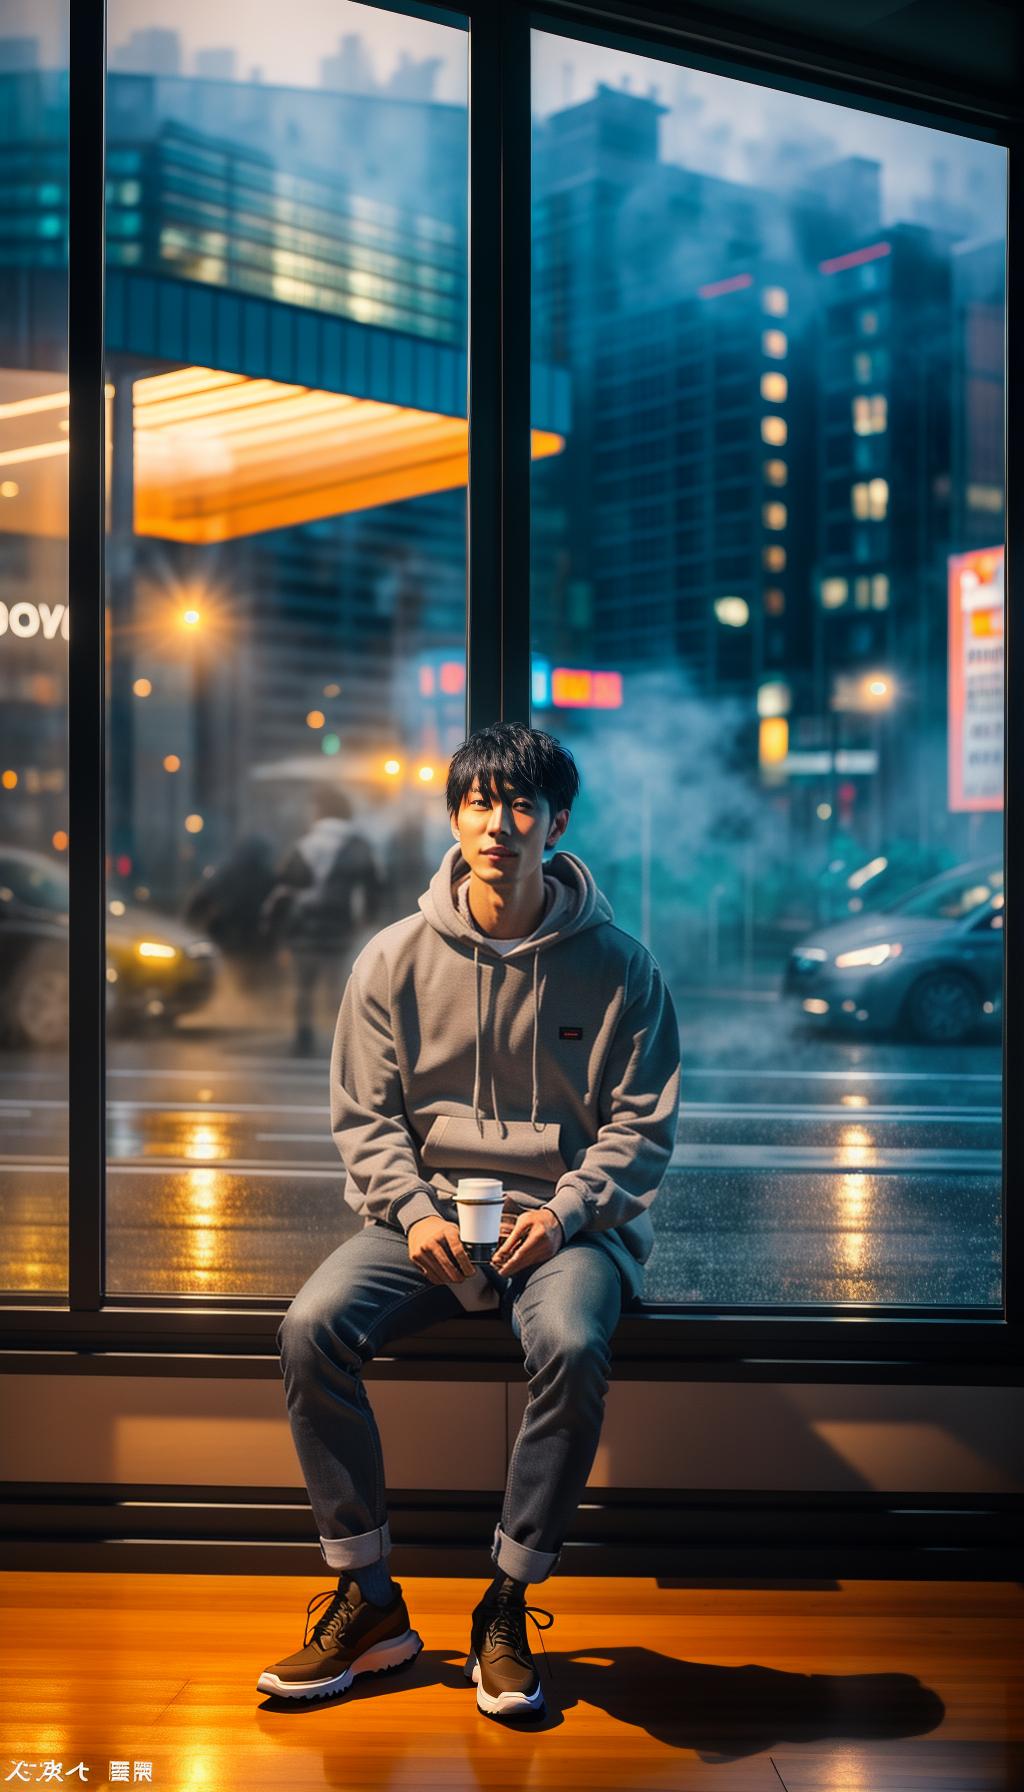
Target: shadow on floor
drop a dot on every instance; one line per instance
(722, 1714)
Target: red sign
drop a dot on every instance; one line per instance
(576, 688)
(976, 679)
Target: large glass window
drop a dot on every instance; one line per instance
(286, 357)
(33, 645)
(781, 672)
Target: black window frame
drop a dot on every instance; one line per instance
(209, 1334)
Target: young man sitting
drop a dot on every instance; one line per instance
(512, 979)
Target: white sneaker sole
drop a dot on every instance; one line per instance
(389, 1654)
(502, 1704)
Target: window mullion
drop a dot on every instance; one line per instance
(86, 795)
(498, 560)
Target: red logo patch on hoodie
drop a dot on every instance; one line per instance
(570, 1032)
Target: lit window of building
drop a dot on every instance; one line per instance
(774, 430)
(862, 592)
(734, 612)
(775, 601)
(880, 591)
(870, 499)
(775, 472)
(774, 387)
(775, 300)
(834, 593)
(870, 414)
(868, 323)
(985, 497)
(862, 367)
(773, 516)
(774, 344)
(773, 558)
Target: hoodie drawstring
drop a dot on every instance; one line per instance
(494, 1109)
(536, 1021)
(476, 1071)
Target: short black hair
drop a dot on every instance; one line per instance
(522, 761)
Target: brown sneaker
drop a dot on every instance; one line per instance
(352, 1636)
(499, 1660)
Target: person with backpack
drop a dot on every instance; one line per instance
(327, 887)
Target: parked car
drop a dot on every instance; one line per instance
(855, 880)
(931, 965)
(157, 968)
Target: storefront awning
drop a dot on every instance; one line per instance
(218, 455)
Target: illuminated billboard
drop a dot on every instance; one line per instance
(573, 687)
(976, 679)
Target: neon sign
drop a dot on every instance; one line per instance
(25, 620)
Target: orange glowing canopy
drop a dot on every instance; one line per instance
(219, 455)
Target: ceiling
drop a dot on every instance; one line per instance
(968, 52)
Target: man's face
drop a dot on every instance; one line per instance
(521, 825)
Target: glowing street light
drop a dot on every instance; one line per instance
(879, 688)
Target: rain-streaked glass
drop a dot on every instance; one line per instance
(34, 627)
(286, 339)
(767, 599)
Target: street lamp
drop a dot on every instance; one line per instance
(872, 694)
(878, 690)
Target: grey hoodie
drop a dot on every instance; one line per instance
(575, 1025)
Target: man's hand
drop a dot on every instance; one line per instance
(436, 1248)
(535, 1236)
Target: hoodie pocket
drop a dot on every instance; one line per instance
(455, 1142)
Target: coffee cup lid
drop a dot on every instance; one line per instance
(479, 1190)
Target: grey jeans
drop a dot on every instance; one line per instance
(368, 1292)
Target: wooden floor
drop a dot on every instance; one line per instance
(849, 1686)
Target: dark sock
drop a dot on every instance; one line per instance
(374, 1581)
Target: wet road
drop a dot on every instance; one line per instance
(809, 1170)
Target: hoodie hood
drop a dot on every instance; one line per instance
(573, 903)
(588, 906)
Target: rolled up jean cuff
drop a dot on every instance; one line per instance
(519, 1561)
(356, 1552)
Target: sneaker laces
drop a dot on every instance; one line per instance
(508, 1625)
(339, 1607)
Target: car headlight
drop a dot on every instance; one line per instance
(866, 955)
(201, 949)
(155, 949)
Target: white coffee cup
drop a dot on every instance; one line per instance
(479, 1203)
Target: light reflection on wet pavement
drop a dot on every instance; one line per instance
(850, 1173)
